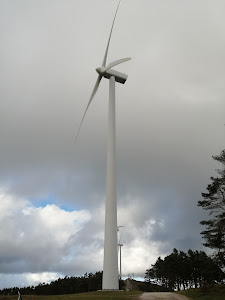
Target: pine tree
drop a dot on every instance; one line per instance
(214, 202)
(180, 270)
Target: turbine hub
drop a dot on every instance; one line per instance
(100, 70)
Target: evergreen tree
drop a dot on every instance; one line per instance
(214, 202)
(180, 270)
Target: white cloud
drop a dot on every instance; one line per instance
(142, 254)
(52, 242)
(35, 278)
(26, 279)
(55, 222)
(35, 238)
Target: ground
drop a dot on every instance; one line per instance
(169, 296)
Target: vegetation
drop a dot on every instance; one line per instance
(214, 202)
(151, 287)
(68, 285)
(63, 286)
(209, 292)
(84, 296)
(181, 270)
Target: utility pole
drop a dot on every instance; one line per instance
(120, 245)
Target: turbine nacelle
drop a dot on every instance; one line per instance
(107, 72)
(119, 77)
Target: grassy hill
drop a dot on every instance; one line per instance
(209, 292)
(133, 295)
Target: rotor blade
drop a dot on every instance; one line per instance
(116, 62)
(107, 48)
(91, 98)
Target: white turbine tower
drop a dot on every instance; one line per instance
(110, 265)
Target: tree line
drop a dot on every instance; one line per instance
(68, 285)
(181, 270)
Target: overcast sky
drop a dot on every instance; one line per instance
(170, 121)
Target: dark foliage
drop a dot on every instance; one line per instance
(181, 270)
(68, 285)
(151, 287)
(214, 202)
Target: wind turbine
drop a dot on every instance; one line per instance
(110, 265)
